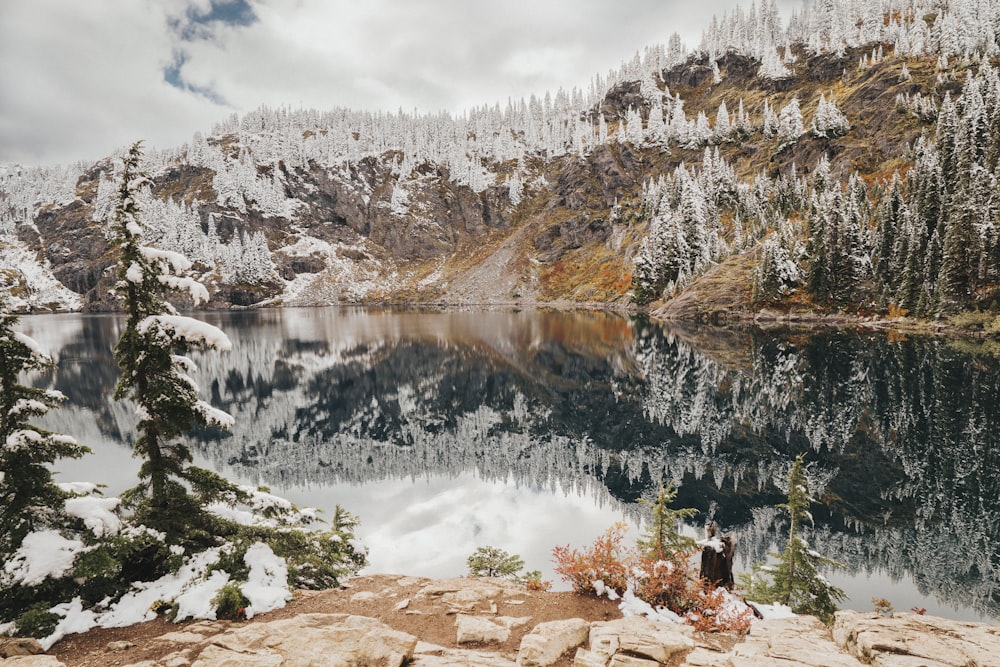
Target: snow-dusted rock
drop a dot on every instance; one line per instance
(547, 641)
(486, 630)
(637, 635)
(912, 639)
(340, 639)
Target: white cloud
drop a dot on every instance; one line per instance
(79, 79)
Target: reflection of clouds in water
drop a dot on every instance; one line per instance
(429, 527)
(447, 431)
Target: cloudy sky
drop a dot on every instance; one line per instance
(79, 78)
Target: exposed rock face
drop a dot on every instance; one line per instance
(543, 645)
(908, 640)
(636, 636)
(342, 640)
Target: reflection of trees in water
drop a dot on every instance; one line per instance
(904, 431)
(901, 434)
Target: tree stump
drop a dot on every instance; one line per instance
(717, 557)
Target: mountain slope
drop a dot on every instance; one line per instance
(546, 200)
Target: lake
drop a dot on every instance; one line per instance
(444, 431)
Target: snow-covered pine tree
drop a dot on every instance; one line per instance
(828, 121)
(769, 121)
(172, 495)
(790, 126)
(30, 500)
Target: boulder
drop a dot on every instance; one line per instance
(912, 639)
(639, 636)
(14, 646)
(547, 641)
(480, 629)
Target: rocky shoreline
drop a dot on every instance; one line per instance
(392, 621)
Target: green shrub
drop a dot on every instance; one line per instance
(230, 603)
(37, 621)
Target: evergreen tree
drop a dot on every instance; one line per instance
(171, 495)
(29, 498)
(790, 126)
(494, 562)
(795, 579)
(662, 540)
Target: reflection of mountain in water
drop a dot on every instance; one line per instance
(901, 434)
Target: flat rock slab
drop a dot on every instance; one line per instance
(333, 640)
(31, 661)
(802, 641)
(911, 640)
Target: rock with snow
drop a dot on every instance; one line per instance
(547, 641)
(912, 639)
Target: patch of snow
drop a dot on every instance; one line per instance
(74, 619)
(267, 583)
(196, 600)
(134, 273)
(178, 262)
(197, 291)
(136, 605)
(214, 416)
(713, 543)
(633, 606)
(78, 488)
(97, 513)
(43, 554)
(32, 346)
(44, 290)
(189, 329)
(22, 439)
(774, 611)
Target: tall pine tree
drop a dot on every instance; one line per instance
(171, 495)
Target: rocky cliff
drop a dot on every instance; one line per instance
(538, 203)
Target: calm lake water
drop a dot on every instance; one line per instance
(526, 430)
